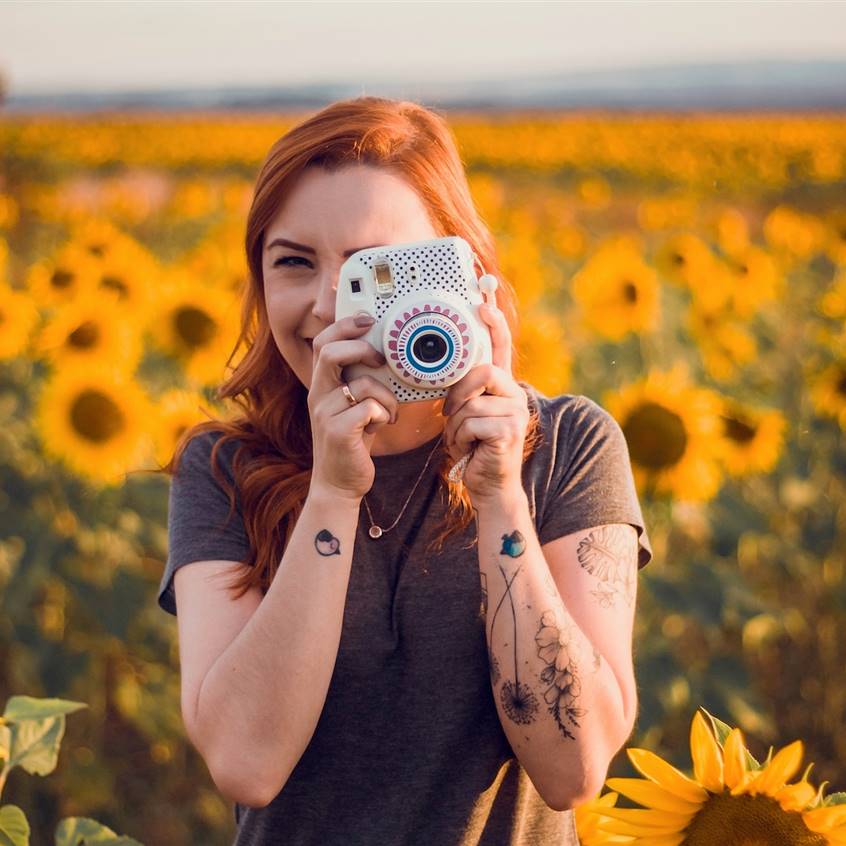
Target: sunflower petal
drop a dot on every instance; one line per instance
(632, 829)
(825, 819)
(782, 767)
(746, 783)
(658, 821)
(658, 770)
(734, 754)
(652, 795)
(707, 755)
(795, 797)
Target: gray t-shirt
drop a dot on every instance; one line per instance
(409, 748)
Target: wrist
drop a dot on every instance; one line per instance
(332, 498)
(504, 500)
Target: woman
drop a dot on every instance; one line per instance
(450, 664)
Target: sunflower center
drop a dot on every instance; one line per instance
(84, 336)
(737, 430)
(194, 326)
(95, 416)
(748, 821)
(2, 318)
(61, 278)
(841, 383)
(629, 291)
(97, 249)
(678, 260)
(115, 283)
(656, 436)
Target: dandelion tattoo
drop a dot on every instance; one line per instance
(604, 553)
(517, 699)
(326, 543)
(492, 659)
(561, 673)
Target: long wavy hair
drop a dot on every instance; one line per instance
(272, 464)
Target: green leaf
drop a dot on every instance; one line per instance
(835, 799)
(722, 730)
(20, 708)
(14, 828)
(35, 744)
(5, 742)
(73, 831)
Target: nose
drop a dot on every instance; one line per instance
(324, 302)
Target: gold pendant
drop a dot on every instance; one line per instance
(375, 532)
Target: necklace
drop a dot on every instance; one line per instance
(377, 531)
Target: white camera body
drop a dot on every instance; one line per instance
(425, 297)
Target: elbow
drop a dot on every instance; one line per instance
(248, 789)
(241, 778)
(577, 794)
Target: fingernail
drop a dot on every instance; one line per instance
(362, 318)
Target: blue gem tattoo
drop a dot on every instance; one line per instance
(513, 544)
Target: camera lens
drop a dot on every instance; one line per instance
(429, 348)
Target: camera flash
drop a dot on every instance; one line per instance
(384, 279)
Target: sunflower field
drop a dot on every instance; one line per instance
(686, 272)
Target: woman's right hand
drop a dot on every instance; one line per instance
(342, 433)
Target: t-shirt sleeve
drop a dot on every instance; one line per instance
(590, 477)
(199, 527)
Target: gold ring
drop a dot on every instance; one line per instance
(348, 394)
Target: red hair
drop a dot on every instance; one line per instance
(272, 466)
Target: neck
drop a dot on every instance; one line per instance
(417, 423)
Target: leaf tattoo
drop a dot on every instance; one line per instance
(604, 553)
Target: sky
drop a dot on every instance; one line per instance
(160, 44)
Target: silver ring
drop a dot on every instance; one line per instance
(348, 394)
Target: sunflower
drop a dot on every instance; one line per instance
(18, 316)
(220, 258)
(70, 272)
(521, 263)
(731, 799)
(833, 301)
(178, 410)
(755, 280)
(753, 439)
(828, 391)
(672, 428)
(94, 328)
(835, 235)
(128, 270)
(589, 815)
(666, 212)
(731, 231)
(95, 421)
(544, 358)
(617, 291)
(99, 237)
(792, 234)
(681, 258)
(723, 343)
(196, 323)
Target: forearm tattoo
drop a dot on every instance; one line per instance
(561, 672)
(517, 699)
(553, 641)
(604, 553)
(513, 544)
(326, 543)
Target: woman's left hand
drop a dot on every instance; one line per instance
(488, 413)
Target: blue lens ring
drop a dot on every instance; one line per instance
(445, 362)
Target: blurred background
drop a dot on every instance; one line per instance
(667, 187)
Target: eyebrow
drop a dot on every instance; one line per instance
(302, 248)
